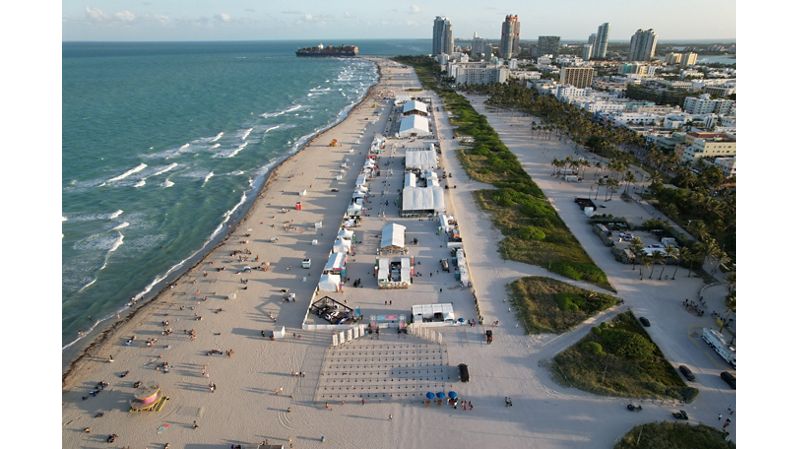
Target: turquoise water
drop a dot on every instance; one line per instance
(163, 144)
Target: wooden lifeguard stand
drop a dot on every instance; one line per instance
(150, 399)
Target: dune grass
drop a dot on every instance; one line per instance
(547, 305)
(618, 358)
(671, 435)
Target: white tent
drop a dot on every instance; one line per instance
(345, 234)
(342, 246)
(361, 180)
(414, 106)
(414, 125)
(433, 312)
(335, 263)
(410, 179)
(393, 237)
(330, 283)
(354, 210)
(422, 200)
(421, 160)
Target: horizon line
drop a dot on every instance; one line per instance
(660, 41)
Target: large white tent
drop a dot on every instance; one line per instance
(342, 246)
(330, 283)
(393, 238)
(414, 107)
(420, 200)
(336, 263)
(421, 160)
(414, 125)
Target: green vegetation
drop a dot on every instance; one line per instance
(534, 232)
(548, 305)
(566, 118)
(700, 203)
(670, 435)
(673, 97)
(618, 358)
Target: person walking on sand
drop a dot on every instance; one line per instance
(195, 425)
(390, 417)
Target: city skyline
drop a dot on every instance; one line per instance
(114, 20)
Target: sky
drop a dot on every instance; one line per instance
(190, 20)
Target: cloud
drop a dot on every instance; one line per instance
(95, 14)
(223, 17)
(125, 16)
(415, 9)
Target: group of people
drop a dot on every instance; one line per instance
(694, 307)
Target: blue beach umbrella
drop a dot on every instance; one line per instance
(441, 395)
(452, 395)
(430, 395)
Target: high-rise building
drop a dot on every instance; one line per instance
(673, 58)
(689, 59)
(479, 47)
(578, 77)
(587, 50)
(548, 45)
(511, 41)
(600, 44)
(442, 38)
(643, 45)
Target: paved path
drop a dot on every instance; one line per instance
(521, 357)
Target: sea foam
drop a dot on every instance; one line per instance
(124, 175)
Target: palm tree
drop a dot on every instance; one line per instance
(672, 253)
(637, 248)
(555, 163)
(600, 183)
(629, 178)
(713, 250)
(612, 187)
(657, 258)
(646, 262)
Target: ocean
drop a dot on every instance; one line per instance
(163, 146)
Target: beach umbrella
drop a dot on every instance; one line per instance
(430, 395)
(441, 395)
(452, 395)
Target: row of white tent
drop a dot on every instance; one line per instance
(421, 159)
(330, 280)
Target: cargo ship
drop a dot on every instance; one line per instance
(321, 50)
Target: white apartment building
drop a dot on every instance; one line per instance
(569, 60)
(703, 104)
(512, 64)
(727, 164)
(477, 73)
(700, 145)
(525, 75)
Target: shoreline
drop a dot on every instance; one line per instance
(148, 298)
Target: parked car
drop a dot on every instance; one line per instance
(687, 373)
(730, 379)
(644, 321)
(681, 414)
(306, 263)
(332, 316)
(464, 376)
(445, 265)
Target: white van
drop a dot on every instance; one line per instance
(306, 263)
